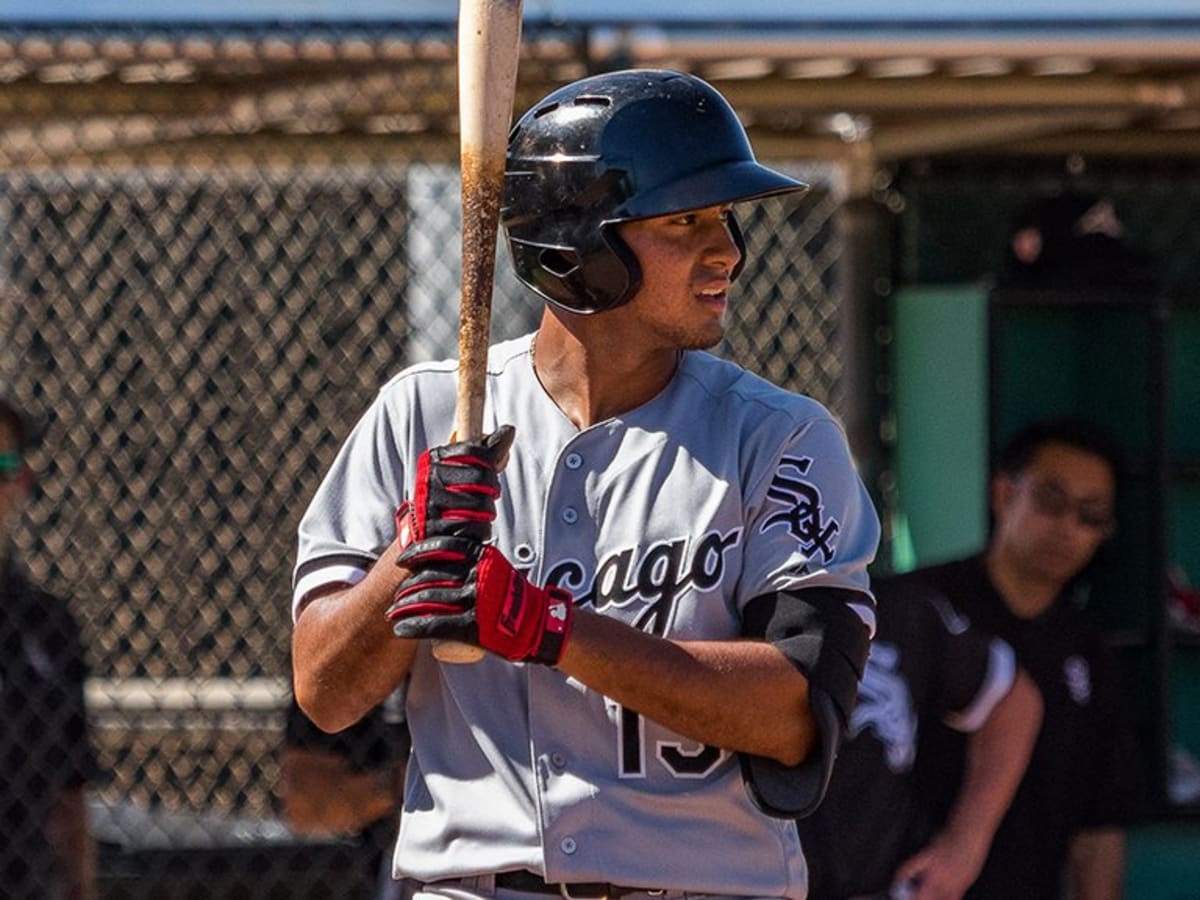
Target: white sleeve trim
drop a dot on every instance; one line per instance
(338, 573)
(866, 612)
(1001, 673)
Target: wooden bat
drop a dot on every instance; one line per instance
(489, 45)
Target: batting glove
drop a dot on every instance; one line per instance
(455, 490)
(464, 590)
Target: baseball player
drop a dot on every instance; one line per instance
(874, 836)
(667, 566)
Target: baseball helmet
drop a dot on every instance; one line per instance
(615, 148)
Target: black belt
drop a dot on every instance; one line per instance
(532, 883)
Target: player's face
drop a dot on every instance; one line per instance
(1051, 519)
(687, 264)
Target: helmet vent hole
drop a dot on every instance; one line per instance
(559, 261)
(592, 100)
(541, 111)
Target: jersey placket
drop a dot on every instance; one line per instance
(563, 714)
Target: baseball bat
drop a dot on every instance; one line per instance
(489, 45)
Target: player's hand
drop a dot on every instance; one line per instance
(455, 489)
(944, 869)
(463, 590)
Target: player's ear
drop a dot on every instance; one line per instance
(1027, 245)
(1000, 493)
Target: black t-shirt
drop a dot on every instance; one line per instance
(1084, 770)
(925, 664)
(44, 745)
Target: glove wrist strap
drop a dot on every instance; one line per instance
(559, 613)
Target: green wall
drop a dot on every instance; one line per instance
(1163, 862)
(940, 367)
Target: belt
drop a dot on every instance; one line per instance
(532, 883)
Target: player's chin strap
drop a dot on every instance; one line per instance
(824, 638)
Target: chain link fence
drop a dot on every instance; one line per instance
(214, 247)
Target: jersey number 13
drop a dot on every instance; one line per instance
(678, 759)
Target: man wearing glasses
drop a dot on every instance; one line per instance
(1052, 500)
(46, 848)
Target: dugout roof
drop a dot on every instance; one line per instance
(856, 81)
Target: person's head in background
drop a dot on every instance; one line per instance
(1071, 240)
(16, 479)
(1053, 503)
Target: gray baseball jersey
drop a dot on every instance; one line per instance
(670, 518)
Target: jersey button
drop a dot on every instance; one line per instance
(568, 845)
(558, 760)
(570, 515)
(573, 460)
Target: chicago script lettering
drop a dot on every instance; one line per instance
(657, 580)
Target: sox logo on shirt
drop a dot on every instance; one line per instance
(802, 515)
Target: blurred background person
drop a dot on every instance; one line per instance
(46, 846)
(1072, 239)
(350, 783)
(1053, 503)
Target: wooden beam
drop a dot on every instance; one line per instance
(935, 93)
(963, 132)
(1127, 144)
(249, 152)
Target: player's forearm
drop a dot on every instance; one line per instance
(997, 755)
(738, 695)
(345, 658)
(1096, 865)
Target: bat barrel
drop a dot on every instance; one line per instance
(489, 46)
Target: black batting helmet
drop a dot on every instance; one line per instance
(613, 148)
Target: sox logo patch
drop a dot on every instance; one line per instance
(885, 707)
(803, 512)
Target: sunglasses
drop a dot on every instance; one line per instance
(1050, 499)
(10, 465)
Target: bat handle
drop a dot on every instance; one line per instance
(468, 421)
(456, 652)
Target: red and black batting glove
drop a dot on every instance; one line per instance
(464, 590)
(455, 489)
